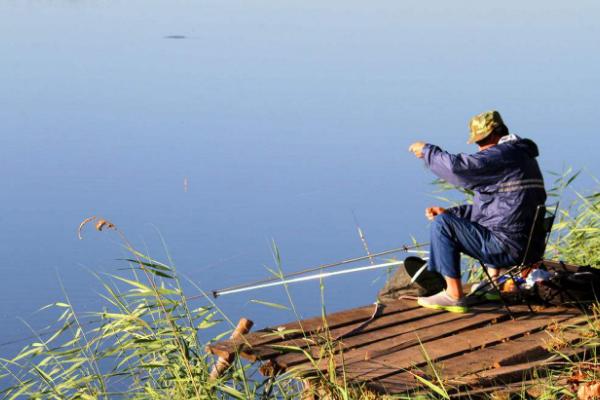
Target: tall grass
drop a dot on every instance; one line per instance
(576, 235)
(143, 344)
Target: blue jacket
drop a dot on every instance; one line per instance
(507, 184)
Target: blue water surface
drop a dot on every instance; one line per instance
(284, 118)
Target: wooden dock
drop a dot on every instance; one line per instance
(482, 348)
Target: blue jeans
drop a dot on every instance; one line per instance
(451, 235)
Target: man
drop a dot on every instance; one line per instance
(508, 186)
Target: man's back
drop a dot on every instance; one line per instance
(507, 183)
(508, 207)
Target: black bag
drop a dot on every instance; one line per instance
(569, 287)
(399, 284)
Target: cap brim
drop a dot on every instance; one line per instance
(477, 138)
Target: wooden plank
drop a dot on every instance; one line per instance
(450, 346)
(477, 360)
(405, 323)
(524, 349)
(403, 383)
(380, 328)
(511, 373)
(393, 363)
(305, 327)
(412, 338)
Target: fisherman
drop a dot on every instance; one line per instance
(507, 185)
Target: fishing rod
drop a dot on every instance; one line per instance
(222, 292)
(279, 279)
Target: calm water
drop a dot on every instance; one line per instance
(285, 118)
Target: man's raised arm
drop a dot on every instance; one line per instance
(464, 170)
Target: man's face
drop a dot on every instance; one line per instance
(488, 142)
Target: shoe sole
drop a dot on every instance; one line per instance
(491, 297)
(454, 309)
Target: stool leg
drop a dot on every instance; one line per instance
(491, 280)
(510, 274)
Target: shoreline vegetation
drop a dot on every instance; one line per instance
(144, 343)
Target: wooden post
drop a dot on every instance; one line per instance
(243, 327)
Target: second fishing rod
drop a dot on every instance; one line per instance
(406, 249)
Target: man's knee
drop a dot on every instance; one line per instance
(443, 223)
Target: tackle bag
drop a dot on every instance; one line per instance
(399, 283)
(575, 286)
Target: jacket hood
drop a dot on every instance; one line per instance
(528, 146)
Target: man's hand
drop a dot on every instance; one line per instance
(417, 149)
(432, 212)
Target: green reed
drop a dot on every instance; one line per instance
(144, 344)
